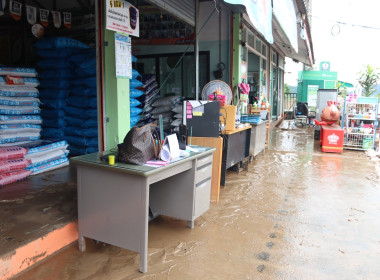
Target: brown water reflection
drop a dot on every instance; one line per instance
(296, 214)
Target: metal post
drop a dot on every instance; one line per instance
(196, 52)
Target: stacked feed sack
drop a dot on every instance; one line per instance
(164, 106)
(178, 116)
(55, 74)
(81, 129)
(134, 103)
(46, 156)
(150, 93)
(12, 165)
(20, 119)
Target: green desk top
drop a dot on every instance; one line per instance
(142, 170)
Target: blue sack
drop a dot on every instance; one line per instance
(134, 93)
(87, 82)
(54, 93)
(135, 83)
(55, 83)
(52, 133)
(64, 73)
(53, 63)
(134, 102)
(56, 53)
(58, 43)
(53, 123)
(52, 113)
(84, 91)
(77, 131)
(135, 111)
(134, 59)
(53, 103)
(135, 74)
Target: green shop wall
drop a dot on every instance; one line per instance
(303, 87)
(237, 50)
(116, 97)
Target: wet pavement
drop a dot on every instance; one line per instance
(296, 214)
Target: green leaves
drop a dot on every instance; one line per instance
(368, 79)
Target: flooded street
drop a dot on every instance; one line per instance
(297, 213)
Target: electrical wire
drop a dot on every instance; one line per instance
(347, 23)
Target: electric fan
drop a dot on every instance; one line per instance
(211, 88)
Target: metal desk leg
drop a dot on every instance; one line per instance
(190, 224)
(144, 228)
(82, 243)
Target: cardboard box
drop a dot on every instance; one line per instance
(228, 117)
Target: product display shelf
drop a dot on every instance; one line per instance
(360, 123)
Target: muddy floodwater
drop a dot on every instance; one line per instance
(297, 213)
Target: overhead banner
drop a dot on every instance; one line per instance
(123, 17)
(31, 14)
(285, 13)
(260, 14)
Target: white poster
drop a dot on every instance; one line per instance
(122, 17)
(123, 56)
(31, 14)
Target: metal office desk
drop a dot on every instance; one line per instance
(113, 201)
(235, 149)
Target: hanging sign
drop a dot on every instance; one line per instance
(123, 17)
(15, 9)
(56, 19)
(260, 14)
(44, 17)
(2, 6)
(67, 20)
(31, 14)
(123, 56)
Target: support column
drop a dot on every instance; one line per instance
(117, 109)
(236, 77)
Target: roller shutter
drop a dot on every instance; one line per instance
(182, 9)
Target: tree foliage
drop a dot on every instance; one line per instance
(286, 88)
(342, 89)
(368, 79)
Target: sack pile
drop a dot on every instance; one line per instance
(13, 165)
(148, 94)
(134, 93)
(164, 107)
(68, 93)
(81, 111)
(178, 116)
(20, 119)
(55, 74)
(46, 156)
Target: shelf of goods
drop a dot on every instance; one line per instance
(360, 123)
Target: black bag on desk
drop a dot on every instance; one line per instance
(139, 145)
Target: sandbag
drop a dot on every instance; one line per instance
(10, 177)
(64, 73)
(18, 137)
(19, 110)
(55, 83)
(19, 81)
(51, 165)
(19, 101)
(52, 114)
(134, 111)
(54, 93)
(52, 133)
(19, 119)
(54, 64)
(44, 149)
(134, 93)
(13, 165)
(18, 91)
(54, 123)
(134, 102)
(8, 153)
(133, 83)
(18, 72)
(45, 158)
(58, 43)
(19, 128)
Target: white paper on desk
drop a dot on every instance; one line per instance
(170, 150)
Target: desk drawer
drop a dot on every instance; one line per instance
(203, 172)
(204, 160)
(202, 197)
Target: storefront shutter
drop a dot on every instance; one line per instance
(182, 9)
